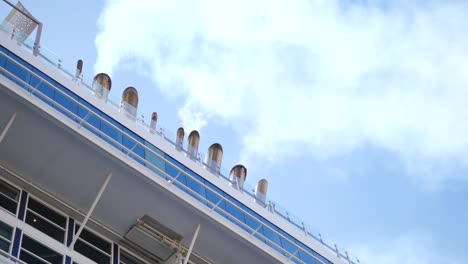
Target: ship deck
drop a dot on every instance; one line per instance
(65, 165)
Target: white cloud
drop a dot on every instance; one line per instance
(319, 76)
(408, 248)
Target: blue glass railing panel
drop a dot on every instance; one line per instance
(215, 197)
(196, 185)
(53, 60)
(131, 144)
(155, 159)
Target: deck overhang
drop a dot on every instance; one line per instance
(65, 165)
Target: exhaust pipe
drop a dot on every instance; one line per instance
(179, 143)
(101, 86)
(261, 192)
(154, 121)
(193, 141)
(213, 158)
(237, 176)
(129, 102)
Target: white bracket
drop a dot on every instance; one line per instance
(191, 244)
(96, 200)
(7, 127)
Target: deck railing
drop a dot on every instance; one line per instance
(271, 206)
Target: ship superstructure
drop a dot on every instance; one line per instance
(83, 180)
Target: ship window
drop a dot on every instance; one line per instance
(9, 196)
(46, 220)
(93, 247)
(34, 252)
(6, 233)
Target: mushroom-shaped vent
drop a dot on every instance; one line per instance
(180, 138)
(192, 148)
(129, 102)
(261, 191)
(237, 176)
(154, 121)
(79, 69)
(101, 85)
(214, 157)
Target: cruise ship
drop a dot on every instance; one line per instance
(84, 180)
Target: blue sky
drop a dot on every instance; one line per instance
(355, 111)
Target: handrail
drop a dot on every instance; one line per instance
(84, 121)
(142, 123)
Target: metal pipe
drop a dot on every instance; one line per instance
(192, 244)
(237, 176)
(154, 121)
(7, 127)
(96, 200)
(192, 148)
(214, 158)
(180, 138)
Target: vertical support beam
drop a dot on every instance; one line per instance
(37, 41)
(337, 252)
(70, 230)
(191, 244)
(16, 243)
(7, 127)
(115, 254)
(22, 205)
(304, 228)
(96, 200)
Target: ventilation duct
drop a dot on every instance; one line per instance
(261, 192)
(180, 138)
(154, 121)
(192, 148)
(152, 239)
(101, 85)
(237, 176)
(79, 70)
(129, 102)
(213, 158)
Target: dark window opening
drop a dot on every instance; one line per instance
(91, 253)
(9, 196)
(34, 252)
(6, 233)
(44, 226)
